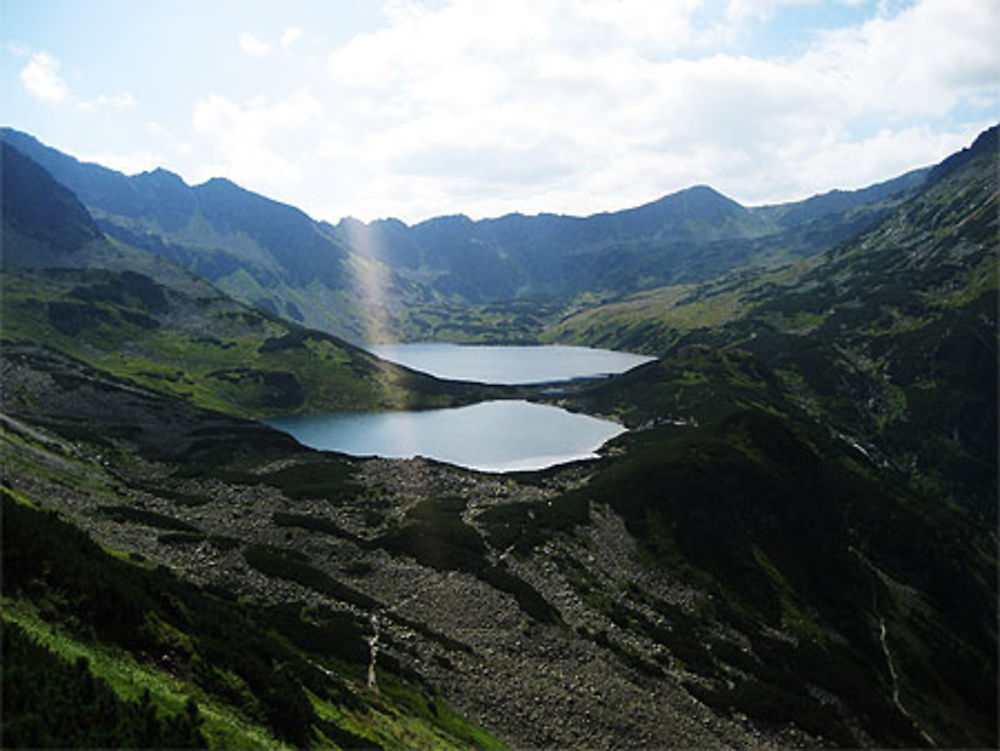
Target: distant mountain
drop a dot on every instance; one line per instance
(689, 236)
(262, 251)
(834, 202)
(390, 280)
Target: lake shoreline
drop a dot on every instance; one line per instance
(524, 428)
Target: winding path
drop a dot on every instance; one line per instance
(884, 643)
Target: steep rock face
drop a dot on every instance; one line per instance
(39, 213)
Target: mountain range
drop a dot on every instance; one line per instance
(794, 546)
(390, 280)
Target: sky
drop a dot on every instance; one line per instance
(417, 109)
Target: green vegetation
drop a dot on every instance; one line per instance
(175, 666)
(763, 510)
(49, 702)
(324, 477)
(522, 526)
(285, 564)
(250, 364)
(811, 474)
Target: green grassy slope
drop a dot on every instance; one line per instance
(199, 344)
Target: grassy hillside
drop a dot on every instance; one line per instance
(199, 344)
(160, 663)
(890, 337)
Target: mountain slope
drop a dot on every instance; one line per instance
(890, 336)
(39, 214)
(176, 333)
(740, 580)
(297, 559)
(203, 346)
(263, 252)
(204, 667)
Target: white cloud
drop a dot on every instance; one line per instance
(290, 35)
(739, 10)
(253, 46)
(42, 80)
(580, 105)
(246, 136)
(168, 139)
(121, 100)
(918, 62)
(564, 105)
(17, 49)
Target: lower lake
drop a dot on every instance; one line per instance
(495, 436)
(498, 436)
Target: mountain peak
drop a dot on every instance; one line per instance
(702, 195)
(161, 176)
(984, 147)
(700, 203)
(220, 184)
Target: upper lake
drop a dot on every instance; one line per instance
(496, 436)
(508, 365)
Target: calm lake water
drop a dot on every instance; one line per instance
(499, 436)
(496, 436)
(513, 365)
